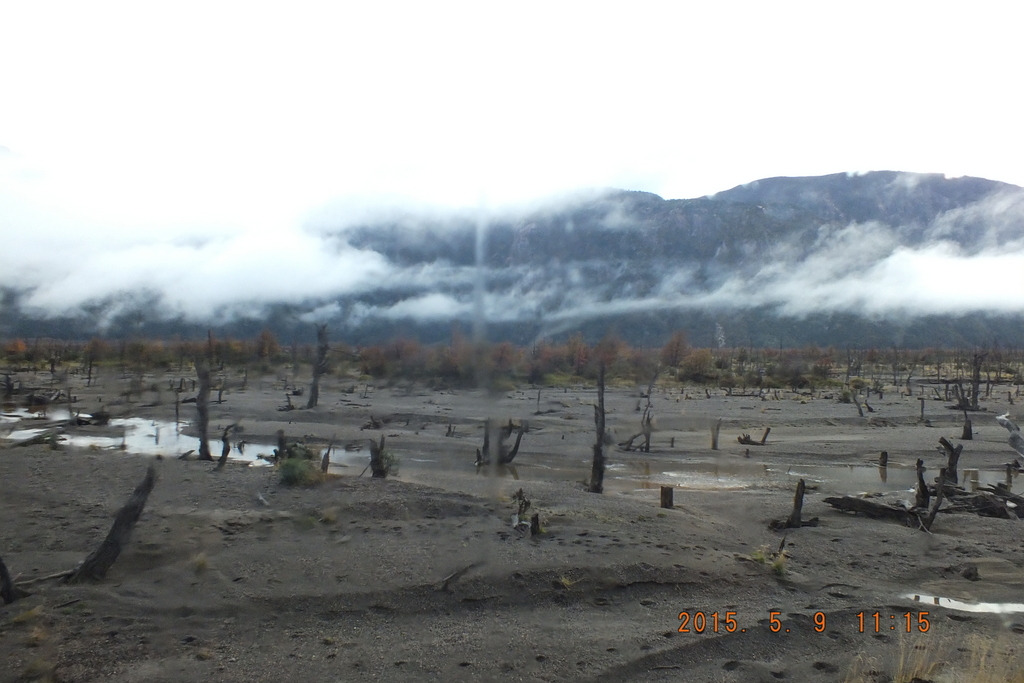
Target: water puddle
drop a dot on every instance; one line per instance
(950, 603)
(627, 472)
(139, 436)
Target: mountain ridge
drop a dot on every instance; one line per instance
(788, 252)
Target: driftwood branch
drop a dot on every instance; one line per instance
(455, 576)
(747, 441)
(95, 567)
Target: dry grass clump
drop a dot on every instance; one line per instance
(922, 658)
(200, 563)
(40, 670)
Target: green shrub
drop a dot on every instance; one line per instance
(299, 472)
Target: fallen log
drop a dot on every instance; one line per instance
(875, 510)
(49, 437)
(1003, 494)
(747, 441)
(96, 565)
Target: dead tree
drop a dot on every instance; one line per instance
(95, 567)
(976, 362)
(319, 366)
(940, 487)
(597, 469)
(953, 457)
(281, 452)
(504, 454)
(646, 428)
(325, 462)
(921, 497)
(203, 408)
(225, 447)
(378, 459)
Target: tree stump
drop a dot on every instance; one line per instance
(921, 496)
(666, 497)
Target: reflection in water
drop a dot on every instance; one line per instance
(949, 603)
(883, 473)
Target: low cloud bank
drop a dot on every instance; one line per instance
(969, 259)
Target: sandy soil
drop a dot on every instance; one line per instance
(343, 581)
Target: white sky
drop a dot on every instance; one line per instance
(213, 114)
(160, 123)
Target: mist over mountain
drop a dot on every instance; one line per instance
(871, 259)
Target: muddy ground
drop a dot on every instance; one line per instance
(231, 576)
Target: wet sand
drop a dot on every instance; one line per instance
(343, 581)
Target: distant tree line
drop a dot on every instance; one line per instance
(463, 363)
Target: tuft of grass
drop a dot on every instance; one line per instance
(995, 661)
(305, 522)
(36, 637)
(40, 670)
(567, 582)
(299, 472)
(861, 670)
(28, 615)
(918, 659)
(200, 563)
(775, 560)
(329, 516)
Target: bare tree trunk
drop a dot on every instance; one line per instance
(319, 366)
(95, 567)
(203, 408)
(953, 459)
(377, 464)
(225, 448)
(715, 429)
(921, 497)
(976, 362)
(597, 470)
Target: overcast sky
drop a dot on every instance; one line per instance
(180, 121)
